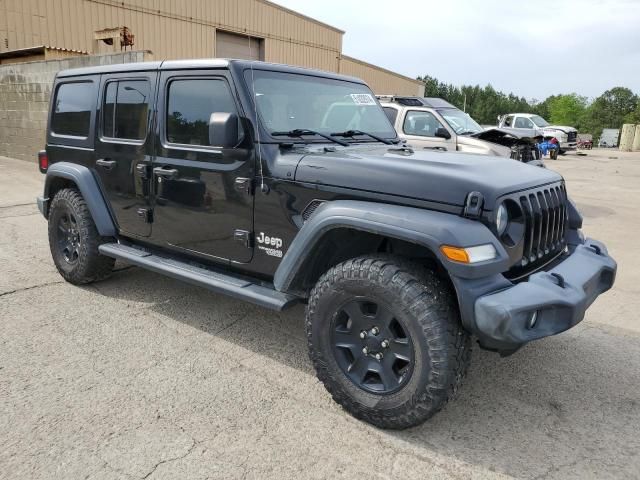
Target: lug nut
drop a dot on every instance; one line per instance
(363, 334)
(385, 344)
(365, 350)
(378, 356)
(375, 330)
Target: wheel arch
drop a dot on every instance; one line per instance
(69, 175)
(344, 229)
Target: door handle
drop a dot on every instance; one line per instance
(165, 172)
(106, 163)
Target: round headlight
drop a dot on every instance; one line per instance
(502, 219)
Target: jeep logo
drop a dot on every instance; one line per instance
(275, 242)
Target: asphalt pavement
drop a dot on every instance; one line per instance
(141, 376)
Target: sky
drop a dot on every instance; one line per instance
(531, 48)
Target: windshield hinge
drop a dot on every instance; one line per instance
(473, 205)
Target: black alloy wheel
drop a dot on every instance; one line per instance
(68, 237)
(74, 239)
(371, 346)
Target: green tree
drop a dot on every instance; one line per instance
(610, 110)
(567, 109)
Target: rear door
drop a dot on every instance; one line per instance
(203, 196)
(124, 147)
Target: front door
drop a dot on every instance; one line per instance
(124, 147)
(203, 197)
(419, 129)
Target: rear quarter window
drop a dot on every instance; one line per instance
(72, 109)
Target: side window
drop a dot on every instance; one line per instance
(190, 103)
(391, 114)
(508, 121)
(72, 109)
(423, 124)
(125, 109)
(522, 122)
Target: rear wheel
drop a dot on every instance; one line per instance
(386, 341)
(74, 240)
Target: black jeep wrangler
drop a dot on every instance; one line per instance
(278, 185)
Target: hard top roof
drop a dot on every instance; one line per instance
(429, 102)
(200, 64)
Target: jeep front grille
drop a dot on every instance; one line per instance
(545, 219)
(571, 136)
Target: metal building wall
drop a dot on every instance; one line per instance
(186, 29)
(170, 28)
(380, 80)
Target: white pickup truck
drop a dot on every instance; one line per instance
(567, 136)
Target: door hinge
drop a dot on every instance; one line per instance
(143, 171)
(243, 184)
(243, 237)
(146, 214)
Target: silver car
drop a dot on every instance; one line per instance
(433, 123)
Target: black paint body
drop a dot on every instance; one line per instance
(196, 212)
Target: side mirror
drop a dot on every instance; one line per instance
(223, 129)
(442, 133)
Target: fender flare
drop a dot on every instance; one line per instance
(82, 177)
(423, 227)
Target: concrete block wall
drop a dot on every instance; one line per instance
(25, 89)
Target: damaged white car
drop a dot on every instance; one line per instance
(434, 124)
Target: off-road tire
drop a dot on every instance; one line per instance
(425, 304)
(90, 265)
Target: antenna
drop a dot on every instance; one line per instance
(263, 187)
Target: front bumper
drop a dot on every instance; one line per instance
(558, 297)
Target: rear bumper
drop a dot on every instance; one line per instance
(558, 298)
(43, 206)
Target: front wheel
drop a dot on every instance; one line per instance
(385, 338)
(74, 240)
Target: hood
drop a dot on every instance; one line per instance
(562, 128)
(526, 135)
(441, 177)
(473, 144)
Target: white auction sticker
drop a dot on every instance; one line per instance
(363, 99)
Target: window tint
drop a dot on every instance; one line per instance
(125, 110)
(72, 109)
(190, 104)
(391, 114)
(423, 124)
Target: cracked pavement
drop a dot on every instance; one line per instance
(141, 376)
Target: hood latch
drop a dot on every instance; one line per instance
(473, 205)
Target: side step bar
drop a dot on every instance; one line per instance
(214, 281)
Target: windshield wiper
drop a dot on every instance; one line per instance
(354, 133)
(300, 132)
(468, 132)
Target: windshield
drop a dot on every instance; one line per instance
(461, 122)
(539, 121)
(288, 101)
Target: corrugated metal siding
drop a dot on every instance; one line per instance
(171, 29)
(174, 29)
(380, 80)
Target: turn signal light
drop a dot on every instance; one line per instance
(456, 254)
(43, 161)
(476, 254)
